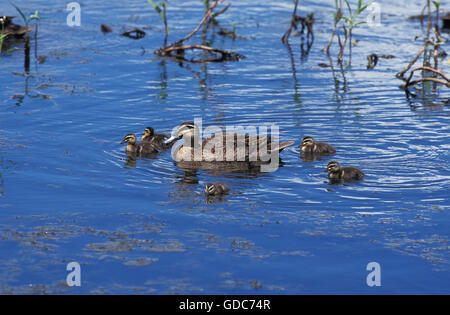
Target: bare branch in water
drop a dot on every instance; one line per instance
(179, 48)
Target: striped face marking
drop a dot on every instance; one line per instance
(307, 141)
(210, 189)
(129, 138)
(333, 166)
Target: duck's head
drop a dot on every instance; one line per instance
(5, 20)
(187, 130)
(333, 167)
(129, 138)
(210, 189)
(148, 132)
(307, 142)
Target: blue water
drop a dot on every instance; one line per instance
(68, 193)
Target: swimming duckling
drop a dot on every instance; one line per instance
(155, 138)
(310, 146)
(214, 189)
(141, 149)
(336, 172)
(214, 152)
(11, 29)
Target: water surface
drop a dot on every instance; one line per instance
(68, 192)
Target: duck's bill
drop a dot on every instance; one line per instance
(123, 141)
(171, 139)
(325, 170)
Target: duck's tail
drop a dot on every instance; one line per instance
(284, 145)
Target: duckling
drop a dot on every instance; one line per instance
(336, 172)
(141, 149)
(214, 189)
(155, 138)
(214, 152)
(309, 145)
(12, 29)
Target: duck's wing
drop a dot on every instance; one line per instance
(350, 172)
(241, 147)
(156, 141)
(148, 147)
(160, 138)
(322, 147)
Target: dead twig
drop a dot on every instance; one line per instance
(426, 69)
(400, 75)
(408, 83)
(337, 18)
(179, 48)
(305, 22)
(286, 35)
(205, 18)
(426, 79)
(213, 17)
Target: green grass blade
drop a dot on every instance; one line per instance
(157, 8)
(20, 12)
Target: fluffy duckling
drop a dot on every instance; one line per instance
(11, 29)
(309, 145)
(155, 138)
(214, 189)
(143, 148)
(336, 172)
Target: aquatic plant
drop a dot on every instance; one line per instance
(429, 49)
(306, 22)
(437, 5)
(161, 9)
(33, 17)
(348, 23)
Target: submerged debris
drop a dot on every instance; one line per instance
(230, 34)
(134, 34)
(105, 28)
(372, 61)
(216, 54)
